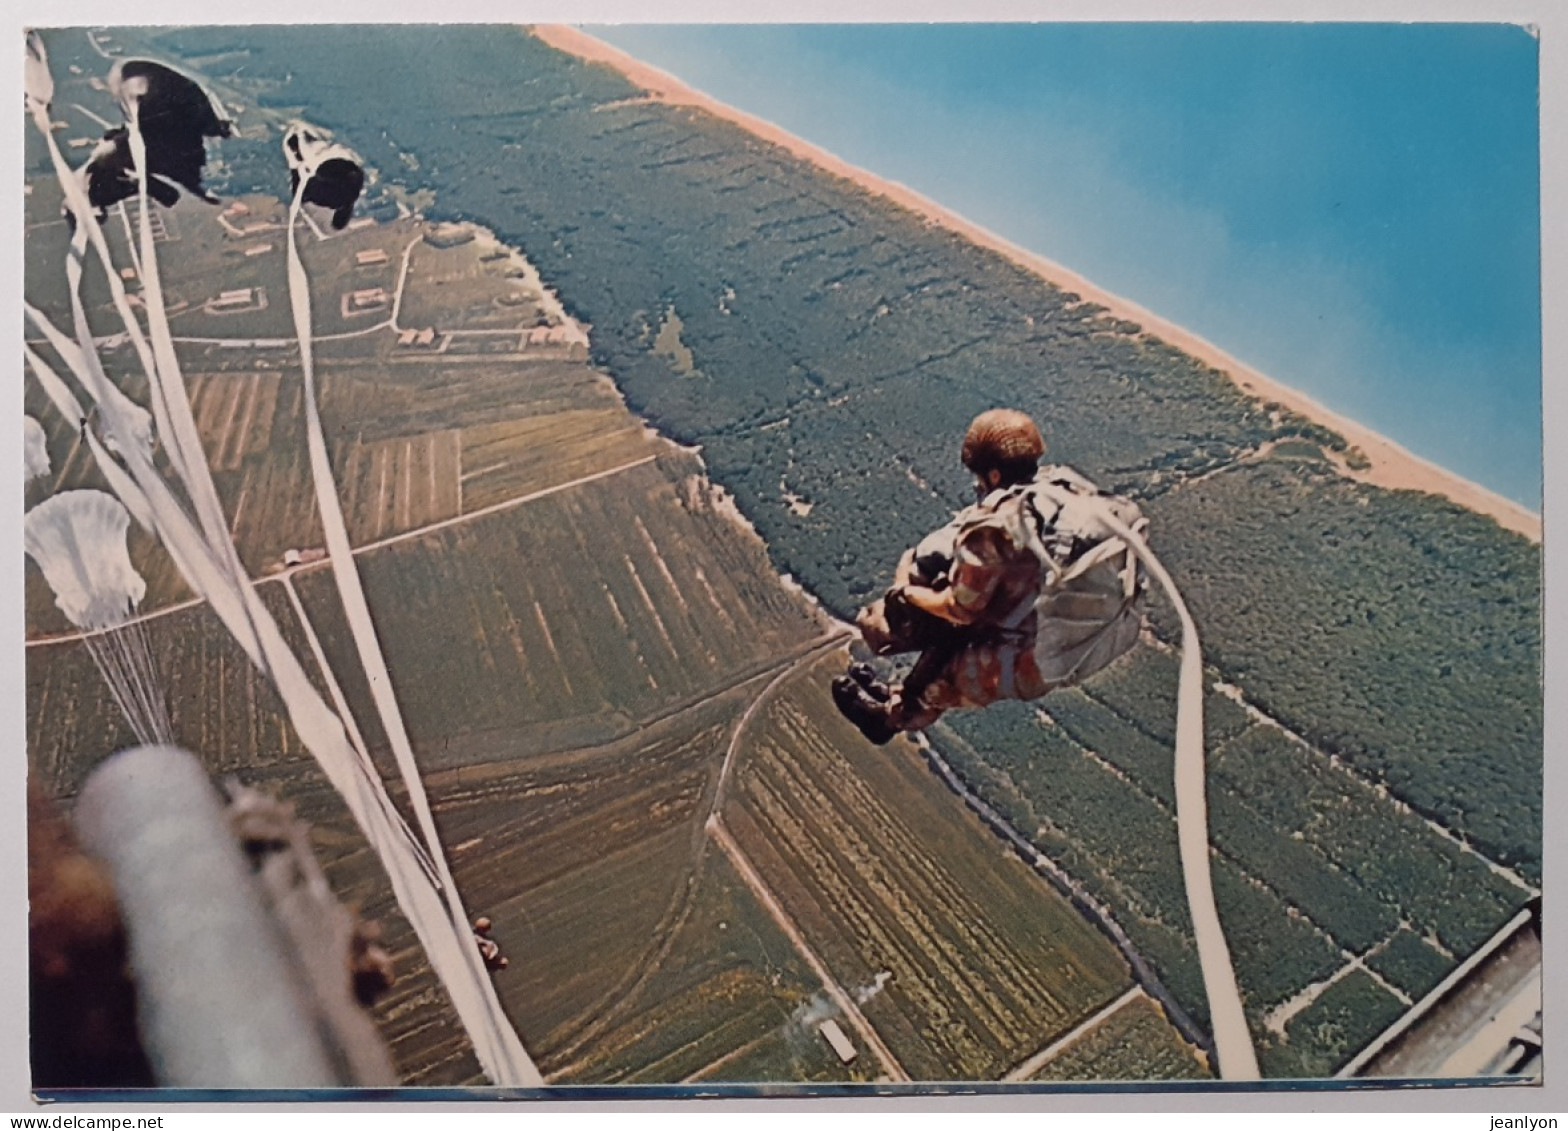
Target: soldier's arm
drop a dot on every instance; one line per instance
(977, 570)
(937, 602)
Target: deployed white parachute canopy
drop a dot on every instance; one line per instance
(38, 82)
(78, 540)
(35, 449)
(140, 421)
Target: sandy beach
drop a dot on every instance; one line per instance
(1389, 464)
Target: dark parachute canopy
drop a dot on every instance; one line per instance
(175, 116)
(332, 173)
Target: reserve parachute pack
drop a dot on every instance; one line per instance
(1092, 586)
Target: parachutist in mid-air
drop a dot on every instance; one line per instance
(1023, 592)
(489, 949)
(172, 109)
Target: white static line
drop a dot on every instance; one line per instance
(1436, 994)
(1040, 1059)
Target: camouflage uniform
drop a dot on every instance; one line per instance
(1005, 641)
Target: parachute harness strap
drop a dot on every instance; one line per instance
(1032, 534)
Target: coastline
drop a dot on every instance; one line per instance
(1390, 465)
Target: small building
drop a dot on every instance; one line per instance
(127, 273)
(363, 301)
(375, 257)
(238, 208)
(425, 337)
(241, 299)
(257, 249)
(841, 1044)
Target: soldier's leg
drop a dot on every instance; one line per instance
(945, 642)
(974, 669)
(880, 712)
(912, 712)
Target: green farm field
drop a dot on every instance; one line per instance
(1327, 872)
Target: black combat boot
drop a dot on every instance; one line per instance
(857, 705)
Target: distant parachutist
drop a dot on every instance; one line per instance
(175, 116)
(489, 949)
(77, 538)
(332, 173)
(370, 966)
(35, 449)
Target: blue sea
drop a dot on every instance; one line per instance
(1352, 209)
